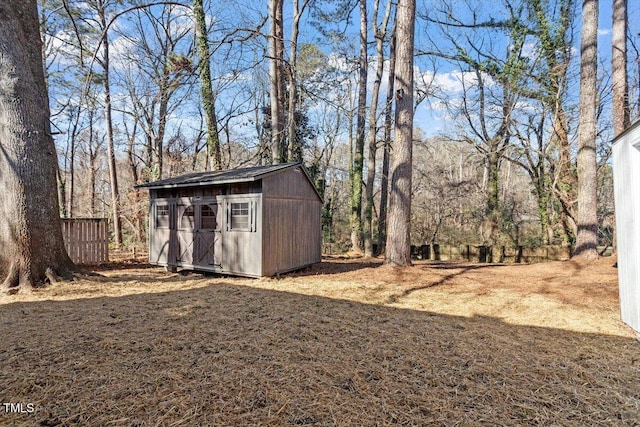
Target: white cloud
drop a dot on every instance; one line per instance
(530, 50)
(454, 82)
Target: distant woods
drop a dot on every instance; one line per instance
(146, 90)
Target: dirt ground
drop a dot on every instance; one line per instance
(348, 342)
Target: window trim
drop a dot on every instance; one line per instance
(182, 212)
(215, 216)
(157, 217)
(251, 215)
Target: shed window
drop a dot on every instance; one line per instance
(162, 216)
(241, 216)
(208, 215)
(187, 220)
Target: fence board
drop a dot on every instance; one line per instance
(502, 254)
(86, 240)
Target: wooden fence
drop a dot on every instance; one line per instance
(86, 240)
(499, 254)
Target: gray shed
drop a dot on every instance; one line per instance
(257, 221)
(626, 180)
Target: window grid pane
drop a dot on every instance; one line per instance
(188, 219)
(208, 218)
(162, 216)
(240, 216)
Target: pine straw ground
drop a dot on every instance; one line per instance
(344, 343)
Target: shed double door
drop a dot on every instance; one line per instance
(199, 234)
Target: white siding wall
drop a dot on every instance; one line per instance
(626, 158)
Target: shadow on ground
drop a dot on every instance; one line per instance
(233, 355)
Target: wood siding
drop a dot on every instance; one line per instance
(290, 184)
(292, 222)
(241, 250)
(86, 240)
(159, 248)
(626, 174)
(292, 237)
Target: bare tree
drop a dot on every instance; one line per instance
(587, 236)
(276, 86)
(206, 90)
(30, 233)
(295, 144)
(357, 167)
(541, 77)
(487, 119)
(101, 10)
(620, 102)
(379, 34)
(398, 248)
(155, 68)
(388, 117)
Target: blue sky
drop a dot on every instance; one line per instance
(429, 117)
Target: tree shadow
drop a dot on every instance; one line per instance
(459, 269)
(235, 355)
(121, 265)
(336, 266)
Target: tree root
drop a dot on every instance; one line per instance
(81, 273)
(11, 284)
(52, 276)
(20, 279)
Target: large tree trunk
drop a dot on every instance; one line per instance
(398, 250)
(358, 155)
(30, 231)
(206, 91)
(587, 237)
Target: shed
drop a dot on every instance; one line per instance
(256, 221)
(626, 180)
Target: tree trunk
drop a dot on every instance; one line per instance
(295, 143)
(620, 91)
(492, 213)
(30, 231)
(93, 155)
(587, 237)
(158, 142)
(398, 250)
(206, 91)
(62, 194)
(111, 155)
(276, 89)
(138, 214)
(72, 161)
(384, 180)
(379, 32)
(565, 180)
(620, 98)
(543, 198)
(358, 155)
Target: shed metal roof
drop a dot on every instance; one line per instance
(228, 176)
